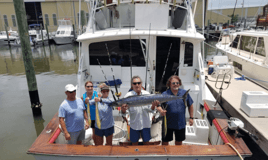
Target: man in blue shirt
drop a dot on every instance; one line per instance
(175, 112)
(72, 113)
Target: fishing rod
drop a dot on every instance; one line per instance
(106, 79)
(118, 94)
(178, 66)
(130, 51)
(164, 72)
(147, 58)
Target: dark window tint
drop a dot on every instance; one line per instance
(54, 19)
(119, 51)
(6, 20)
(14, 20)
(248, 43)
(260, 47)
(189, 53)
(46, 19)
(235, 42)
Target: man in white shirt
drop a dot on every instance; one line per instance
(140, 124)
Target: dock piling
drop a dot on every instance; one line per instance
(7, 35)
(27, 57)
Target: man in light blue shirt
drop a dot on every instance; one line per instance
(72, 113)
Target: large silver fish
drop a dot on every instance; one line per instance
(142, 100)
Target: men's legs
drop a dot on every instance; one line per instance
(109, 136)
(146, 135)
(134, 136)
(179, 136)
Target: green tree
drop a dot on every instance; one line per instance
(234, 18)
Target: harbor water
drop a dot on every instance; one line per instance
(55, 66)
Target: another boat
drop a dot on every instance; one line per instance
(65, 33)
(248, 51)
(37, 35)
(138, 38)
(12, 35)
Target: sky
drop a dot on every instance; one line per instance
(220, 4)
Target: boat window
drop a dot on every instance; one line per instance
(54, 19)
(260, 47)
(119, 51)
(189, 54)
(14, 20)
(5, 20)
(68, 32)
(235, 42)
(62, 32)
(58, 32)
(248, 43)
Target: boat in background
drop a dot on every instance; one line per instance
(13, 37)
(65, 33)
(248, 52)
(138, 37)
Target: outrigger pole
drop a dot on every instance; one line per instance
(147, 55)
(164, 72)
(117, 93)
(106, 79)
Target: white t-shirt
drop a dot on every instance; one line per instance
(139, 117)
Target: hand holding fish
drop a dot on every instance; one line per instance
(155, 104)
(162, 112)
(124, 108)
(97, 99)
(87, 100)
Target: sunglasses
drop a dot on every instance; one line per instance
(175, 83)
(136, 83)
(72, 91)
(89, 86)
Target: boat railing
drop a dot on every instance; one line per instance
(99, 17)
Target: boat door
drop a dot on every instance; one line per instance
(162, 50)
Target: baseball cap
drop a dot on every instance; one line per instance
(70, 88)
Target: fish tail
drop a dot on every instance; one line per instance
(185, 96)
(88, 115)
(97, 116)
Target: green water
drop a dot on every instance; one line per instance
(55, 67)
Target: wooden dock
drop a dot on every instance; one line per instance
(231, 100)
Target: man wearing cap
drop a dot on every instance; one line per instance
(72, 113)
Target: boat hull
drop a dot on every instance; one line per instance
(63, 40)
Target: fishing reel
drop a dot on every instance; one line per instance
(118, 94)
(235, 124)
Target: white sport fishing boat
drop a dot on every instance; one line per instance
(139, 36)
(248, 51)
(65, 33)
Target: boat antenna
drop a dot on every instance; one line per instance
(147, 55)
(106, 79)
(164, 72)
(178, 66)
(117, 93)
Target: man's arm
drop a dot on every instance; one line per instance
(191, 113)
(63, 126)
(86, 119)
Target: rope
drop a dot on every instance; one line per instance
(235, 151)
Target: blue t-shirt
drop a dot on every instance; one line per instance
(176, 110)
(105, 113)
(72, 111)
(92, 107)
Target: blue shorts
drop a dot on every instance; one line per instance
(135, 135)
(76, 136)
(104, 132)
